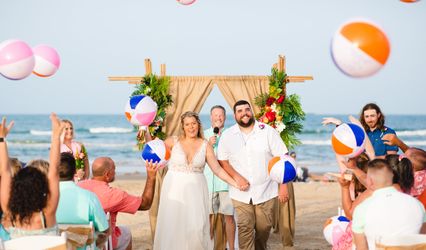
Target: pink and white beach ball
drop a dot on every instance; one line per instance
(16, 59)
(348, 140)
(360, 48)
(334, 228)
(47, 60)
(186, 2)
(140, 110)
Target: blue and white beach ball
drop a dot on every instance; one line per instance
(157, 151)
(334, 228)
(348, 140)
(140, 110)
(282, 169)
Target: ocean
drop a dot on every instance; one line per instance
(113, 136)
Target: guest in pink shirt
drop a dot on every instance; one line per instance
(115, 200)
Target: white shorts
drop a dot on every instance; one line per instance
(221, 203)
(124, 239)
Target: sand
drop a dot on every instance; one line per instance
(315, 202)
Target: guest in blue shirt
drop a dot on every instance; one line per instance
(373, 121)
(77, 205)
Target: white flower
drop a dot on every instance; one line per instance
(280, 127)
(148, 90)
(274, 107)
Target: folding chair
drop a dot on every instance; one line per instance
(38, 242)
(108, 243)
(80, 235)
(402, 242)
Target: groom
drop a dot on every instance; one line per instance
(244, 152)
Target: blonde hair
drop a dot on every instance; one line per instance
(189, 114)
(39, 164)
(15, 165)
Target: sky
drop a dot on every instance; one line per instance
(101, 38)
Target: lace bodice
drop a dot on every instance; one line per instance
(178, 160)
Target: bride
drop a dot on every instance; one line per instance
(183, 216)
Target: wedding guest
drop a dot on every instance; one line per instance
(116, 200)
(29, 200)
(77, 149)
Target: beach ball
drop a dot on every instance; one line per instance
(348, 140)
(186, 2)
(334, 228)
(16, 59)
(409, 1)
(282, 169)
(156, 151)
(140, 110)
(47, 60)
(360, 48)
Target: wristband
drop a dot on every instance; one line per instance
(2, 139)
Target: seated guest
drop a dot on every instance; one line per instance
(30, 199)
(115, 200)
(77, 205)
(403, 177)
(387, 212)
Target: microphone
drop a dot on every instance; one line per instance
(216, 130)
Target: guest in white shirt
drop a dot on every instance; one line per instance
(244, 152)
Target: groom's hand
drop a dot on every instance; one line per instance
(242, 183)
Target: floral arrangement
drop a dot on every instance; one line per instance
(158, 89)
(80, 157)
(282, 112)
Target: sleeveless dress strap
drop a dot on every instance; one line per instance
(43, 220)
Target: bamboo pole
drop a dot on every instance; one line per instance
(148, 66)
(163, 69)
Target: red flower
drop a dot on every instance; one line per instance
(270, 115)
(270, 101)
(280, 99)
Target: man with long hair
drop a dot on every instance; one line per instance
(373, 121)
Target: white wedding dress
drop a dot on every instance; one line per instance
(183, 215)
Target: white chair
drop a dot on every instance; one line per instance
(80, 235)
(401, 242)
(108, 243)
(38, 242)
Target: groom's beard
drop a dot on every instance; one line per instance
(245, 124)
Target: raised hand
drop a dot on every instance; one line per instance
(331, 120)
(151, 168)
(4, 130)
(57, 126)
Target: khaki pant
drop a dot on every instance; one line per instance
(284, 221)
(254, 224)
(153, 211)
(218, 223)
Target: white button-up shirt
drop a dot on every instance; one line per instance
(249, 155)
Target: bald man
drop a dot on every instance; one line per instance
(115, 200)
(387, 212)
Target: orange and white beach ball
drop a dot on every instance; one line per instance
(360, 48)
(282, 169)
(348, 140)
(16, 59)
(409, 1)
(47, 60)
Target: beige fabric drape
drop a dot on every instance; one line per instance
(242, 87)
(188, 94)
